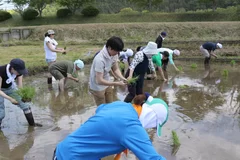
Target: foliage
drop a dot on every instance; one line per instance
(27, 93)
(4, 15)
(132, 80)
(72, 5)
(128, 11)
(194, 65)
(63, 12)
(147, 3)
(176, 142)
(29, 14)
(90, 11)
(40, 5)
(20, 5)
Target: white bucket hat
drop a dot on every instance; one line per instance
(79, 63)
(176, 52)
(154, 114)
(50, 32)
(150, 49)
(219, 45)
(129, 52)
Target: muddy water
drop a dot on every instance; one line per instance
(204, 111)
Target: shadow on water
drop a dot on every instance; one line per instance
(204, 111)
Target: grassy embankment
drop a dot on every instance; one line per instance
(82, 38)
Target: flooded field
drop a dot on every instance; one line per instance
(204, 111)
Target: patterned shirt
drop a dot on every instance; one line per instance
(138, 58)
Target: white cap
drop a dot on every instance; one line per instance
(150, 49)
(219, 45)
(176, 52)
(50, 32)
(154, 115)
(79, 63)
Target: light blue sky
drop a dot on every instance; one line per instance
(7, 6)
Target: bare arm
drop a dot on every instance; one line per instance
(19, 81)
(101, 81)
(161, 73)
(117, 72)
(213, 54)
(6, 96)
(53, 49)
(71, 77)
(175, 67)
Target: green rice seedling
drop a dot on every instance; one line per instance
(26, 93)
(121, 66)
(225, 73)
(194, 65)
(180, 68)
(176, 143)
(132, 80)
(233, 62)
(183, 86)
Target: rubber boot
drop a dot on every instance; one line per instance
(49, 80)
(29, 116)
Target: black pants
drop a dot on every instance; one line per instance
(135, 89)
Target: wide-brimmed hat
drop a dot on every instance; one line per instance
(79, 63)
(150, 49)
(154, 114)
(19, 66)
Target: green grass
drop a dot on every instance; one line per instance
(176, 142)
(27, 93)
(34, 55)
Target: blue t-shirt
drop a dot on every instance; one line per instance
(210, 46)
(112, 129)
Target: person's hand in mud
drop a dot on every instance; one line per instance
(165, 80)
(14, 101)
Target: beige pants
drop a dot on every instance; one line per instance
(101, 97)
(204, 52)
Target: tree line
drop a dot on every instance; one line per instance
(114, 6)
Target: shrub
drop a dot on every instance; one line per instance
(128, 11)
(29, 14)
(4, 15)
(90, 11)
(63, 12)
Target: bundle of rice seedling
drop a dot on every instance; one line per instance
(176, 143)
(132, 80)
(26, 93)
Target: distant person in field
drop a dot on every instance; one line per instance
(51, 49)
(160, 39)
(124, 58)
(8, 74)
(63, 70)
(172, 54)
(208, 49)
(158, 60)
(100, 84)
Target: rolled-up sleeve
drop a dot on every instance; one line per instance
(138, 58)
